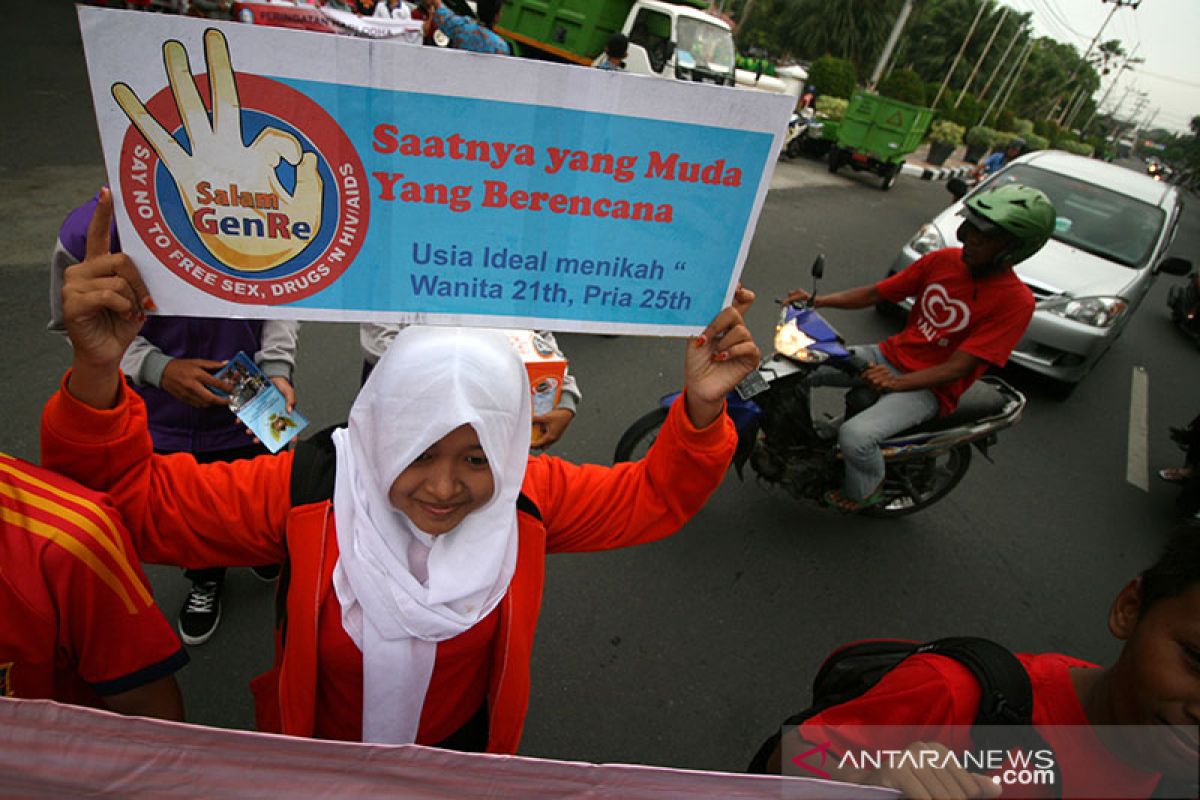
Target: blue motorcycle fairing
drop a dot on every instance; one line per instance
(744, 413)
(815, 327)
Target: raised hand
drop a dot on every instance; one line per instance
(275, 225)
(717, 360)
(103, 300)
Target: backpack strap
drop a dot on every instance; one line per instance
(314, 466)
(1004, 719)
(1007, 694)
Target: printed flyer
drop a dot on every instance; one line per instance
(270, 173)
(259, 405)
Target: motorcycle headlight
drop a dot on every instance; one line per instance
(1099, 312)
(794, 343)
(927, 240)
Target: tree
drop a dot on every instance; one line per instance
(903, 84)
(832, 76)
(938, 29)
(852, 29)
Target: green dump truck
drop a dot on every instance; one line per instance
(876, 134)
(667, 40)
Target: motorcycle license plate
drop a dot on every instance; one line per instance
(751, 385)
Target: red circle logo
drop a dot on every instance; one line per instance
(262, 200)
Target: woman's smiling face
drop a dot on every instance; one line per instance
(444, 484)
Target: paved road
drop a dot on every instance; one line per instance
(685, 652)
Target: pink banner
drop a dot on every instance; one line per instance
(53, 750)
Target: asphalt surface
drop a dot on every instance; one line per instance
(686, 652)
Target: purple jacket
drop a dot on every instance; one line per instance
(174, 425)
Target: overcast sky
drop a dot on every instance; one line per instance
(1168, 32)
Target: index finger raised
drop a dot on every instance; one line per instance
(99, 232)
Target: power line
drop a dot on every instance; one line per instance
(1181, 81)
(1062, 19)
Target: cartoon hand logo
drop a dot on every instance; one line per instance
(234, 198)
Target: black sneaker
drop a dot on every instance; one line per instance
(267, 573)
(200, 613)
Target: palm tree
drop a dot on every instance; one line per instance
(850, 29)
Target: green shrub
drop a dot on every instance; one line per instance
(946, 132)
(904, 85)
(1073, 146)
(1035, 142)
(834, 77)
(831, 107)
(1023, 127)
(979, 136)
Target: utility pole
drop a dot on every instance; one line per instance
(1010, 81)
(1129, 59)
(1003, 60)
(894, 37)
(1083, 60)
(959, 54)
(986, 48)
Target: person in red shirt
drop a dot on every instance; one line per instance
(413, 581)
(970, 312)
(1152, 690)
(80, 625)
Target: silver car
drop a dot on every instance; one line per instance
(1113, 229)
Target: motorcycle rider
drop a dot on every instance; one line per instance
(970, 311)
(999, 158)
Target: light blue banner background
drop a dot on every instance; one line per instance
(705, 235)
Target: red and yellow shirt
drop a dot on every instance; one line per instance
(79, 622)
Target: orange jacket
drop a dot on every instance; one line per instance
(239, 514)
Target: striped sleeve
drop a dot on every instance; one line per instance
(108, 624)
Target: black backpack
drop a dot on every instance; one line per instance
(1005, 716)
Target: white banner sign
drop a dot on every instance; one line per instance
(270, 173)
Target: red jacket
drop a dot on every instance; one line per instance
(180, 512)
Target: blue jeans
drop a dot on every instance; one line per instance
(859, 437)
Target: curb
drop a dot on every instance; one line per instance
(935, 174)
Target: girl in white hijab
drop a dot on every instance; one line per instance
(405, 584)
(436, 537)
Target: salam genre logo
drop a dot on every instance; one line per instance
(256, 197)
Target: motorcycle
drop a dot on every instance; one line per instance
(802, 129)
(1184, 302)
(772, 412)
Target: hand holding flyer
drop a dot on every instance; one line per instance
(226, 186)
(259, 404)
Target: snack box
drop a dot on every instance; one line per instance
(547, 367)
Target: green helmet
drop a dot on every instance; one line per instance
(1022, 211)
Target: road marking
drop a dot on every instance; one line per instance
(1137, 468)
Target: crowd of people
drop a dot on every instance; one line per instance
(413, 545)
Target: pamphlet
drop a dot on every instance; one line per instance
(259, 404)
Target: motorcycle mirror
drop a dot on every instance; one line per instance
(956, 187)
(1174, 265)
(818, 267)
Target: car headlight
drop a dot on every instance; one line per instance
(927, 240)
(1099, 312)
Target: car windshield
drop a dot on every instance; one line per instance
(710, 45)
(1102, 222)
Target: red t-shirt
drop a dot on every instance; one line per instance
(929, 693)
(457, 688)
(79, 622)
(954, 311)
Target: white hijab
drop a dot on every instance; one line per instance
(402, 590)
